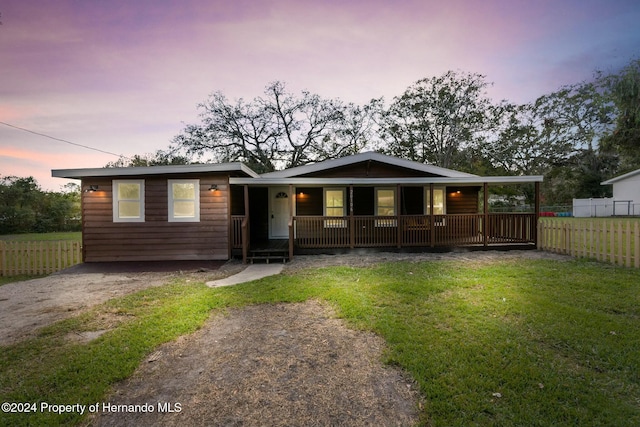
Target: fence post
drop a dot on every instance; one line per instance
(628, 242)
(599, 237)
(539, 231)
(612, 243)
(620, 253)
(636, 246)
(3, 258)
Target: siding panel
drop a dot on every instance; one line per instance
(156, 239)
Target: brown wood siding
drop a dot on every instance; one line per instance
(465, 202)
(368, 169)
(309, 201)
(156, 239)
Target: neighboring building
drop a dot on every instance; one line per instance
(199, 212)
(626, 193)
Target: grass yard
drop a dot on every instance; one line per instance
(36, 237)
(501, 343)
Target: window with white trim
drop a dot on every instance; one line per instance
(184, 200)
(128, 200)
(334, 205)
(385, 206)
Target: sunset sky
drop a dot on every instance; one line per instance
(125, 76)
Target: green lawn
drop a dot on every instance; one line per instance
(494, 344)
(35, 237)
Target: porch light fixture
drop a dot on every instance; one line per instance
(91, 189)
(213, 187)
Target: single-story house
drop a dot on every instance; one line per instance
(213, 211)
(626, 193)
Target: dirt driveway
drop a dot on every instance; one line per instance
(279, 364)
(29, 305)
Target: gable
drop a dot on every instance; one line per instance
(368, 169)
(631, 176)
(367, 165)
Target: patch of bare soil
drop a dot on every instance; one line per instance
(366, 258)
(29, 305)
(268, 365)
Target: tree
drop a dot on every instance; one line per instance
(536, 137)
(623, 89)
(274, 131)
(25, 208)
(439, 118)
(18, 197)
(159, 158)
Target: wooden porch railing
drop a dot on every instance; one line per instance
(236, 231)
(413, 230)
(362, 231)
(512, 228)
(240, 234)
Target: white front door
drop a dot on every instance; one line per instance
(279, 206)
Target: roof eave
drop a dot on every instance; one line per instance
(153, 170)
(621, 177)
(472, 180)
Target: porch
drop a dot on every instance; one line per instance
(311, 213)
(400, 231)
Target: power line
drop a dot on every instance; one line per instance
(63, 140)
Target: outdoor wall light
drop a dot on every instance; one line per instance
(91, 189)
(213, 187)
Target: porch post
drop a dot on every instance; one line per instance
(245, 226)
(398, 226)
(292, 197)
(230, 220)
(485, 208)
(352, 226)
(534, 228)
(432, 224)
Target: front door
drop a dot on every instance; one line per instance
(279, 205)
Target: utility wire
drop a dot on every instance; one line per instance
(63, 140)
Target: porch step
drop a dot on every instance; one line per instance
(268, 255)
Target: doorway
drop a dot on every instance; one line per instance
(279, 206)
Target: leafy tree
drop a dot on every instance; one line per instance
(18, 197)
(159, 158)
(25, 208)
(536, 137)
(277, 130)
(438, 118)
(623, 89)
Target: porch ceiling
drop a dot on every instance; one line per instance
(472, 180)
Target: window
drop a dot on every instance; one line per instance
(439, 206)
(184, 200)
(128, 200)
(334, 206)
(385, 206)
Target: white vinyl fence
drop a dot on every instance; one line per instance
(592, 208)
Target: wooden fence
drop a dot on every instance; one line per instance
(616, 240)
(37, 258)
